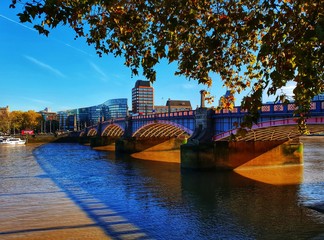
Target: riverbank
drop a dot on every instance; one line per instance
(49, 138)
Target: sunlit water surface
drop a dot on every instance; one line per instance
(158, 201)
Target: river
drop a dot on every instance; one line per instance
(104, 195)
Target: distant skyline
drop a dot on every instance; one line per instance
(61, 73)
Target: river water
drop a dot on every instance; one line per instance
(132, 199)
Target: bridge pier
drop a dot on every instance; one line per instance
(231, 155)
(84, 140)
(133, 145)
(98, 141)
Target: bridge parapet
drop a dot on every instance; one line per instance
(280, 129)
(225, 120)
(273, 108)
(165, 115)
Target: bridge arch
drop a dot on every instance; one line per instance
(283, 129)
(92, 132)
(113, 130)
(187, 130)
(161, 129)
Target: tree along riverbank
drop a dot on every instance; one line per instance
(49, 138)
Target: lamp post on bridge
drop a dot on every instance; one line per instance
(202, 98)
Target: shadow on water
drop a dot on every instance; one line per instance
(141, 199)
(76, 185)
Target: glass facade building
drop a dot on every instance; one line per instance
(117, 108)
(80, 118)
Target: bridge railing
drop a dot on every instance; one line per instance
(165, 115)
(272, 123)
(316, 106)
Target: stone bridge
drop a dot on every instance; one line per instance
(163, 125)
(276, 123)
(207, 134)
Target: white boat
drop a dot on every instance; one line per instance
(12, 140)
(2, 139)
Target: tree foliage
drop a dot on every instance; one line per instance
(31, 119)
(16, 121)
(4, 122)
(259, 45)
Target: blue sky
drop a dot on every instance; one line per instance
(62, 73)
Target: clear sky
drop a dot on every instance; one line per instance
(61, 73)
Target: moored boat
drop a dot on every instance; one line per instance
(12, 140)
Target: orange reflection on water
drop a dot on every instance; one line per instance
(172, 156)
(282, 175)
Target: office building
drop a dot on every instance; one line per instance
(49, 123)
(142, 98)
(117, 108)
(173, 106)
(80, 118)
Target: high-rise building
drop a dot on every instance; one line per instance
(142, 97)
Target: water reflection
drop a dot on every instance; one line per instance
(259, 210)
(284, 175)
(130, 198)
(163, 202)
(311, 192)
